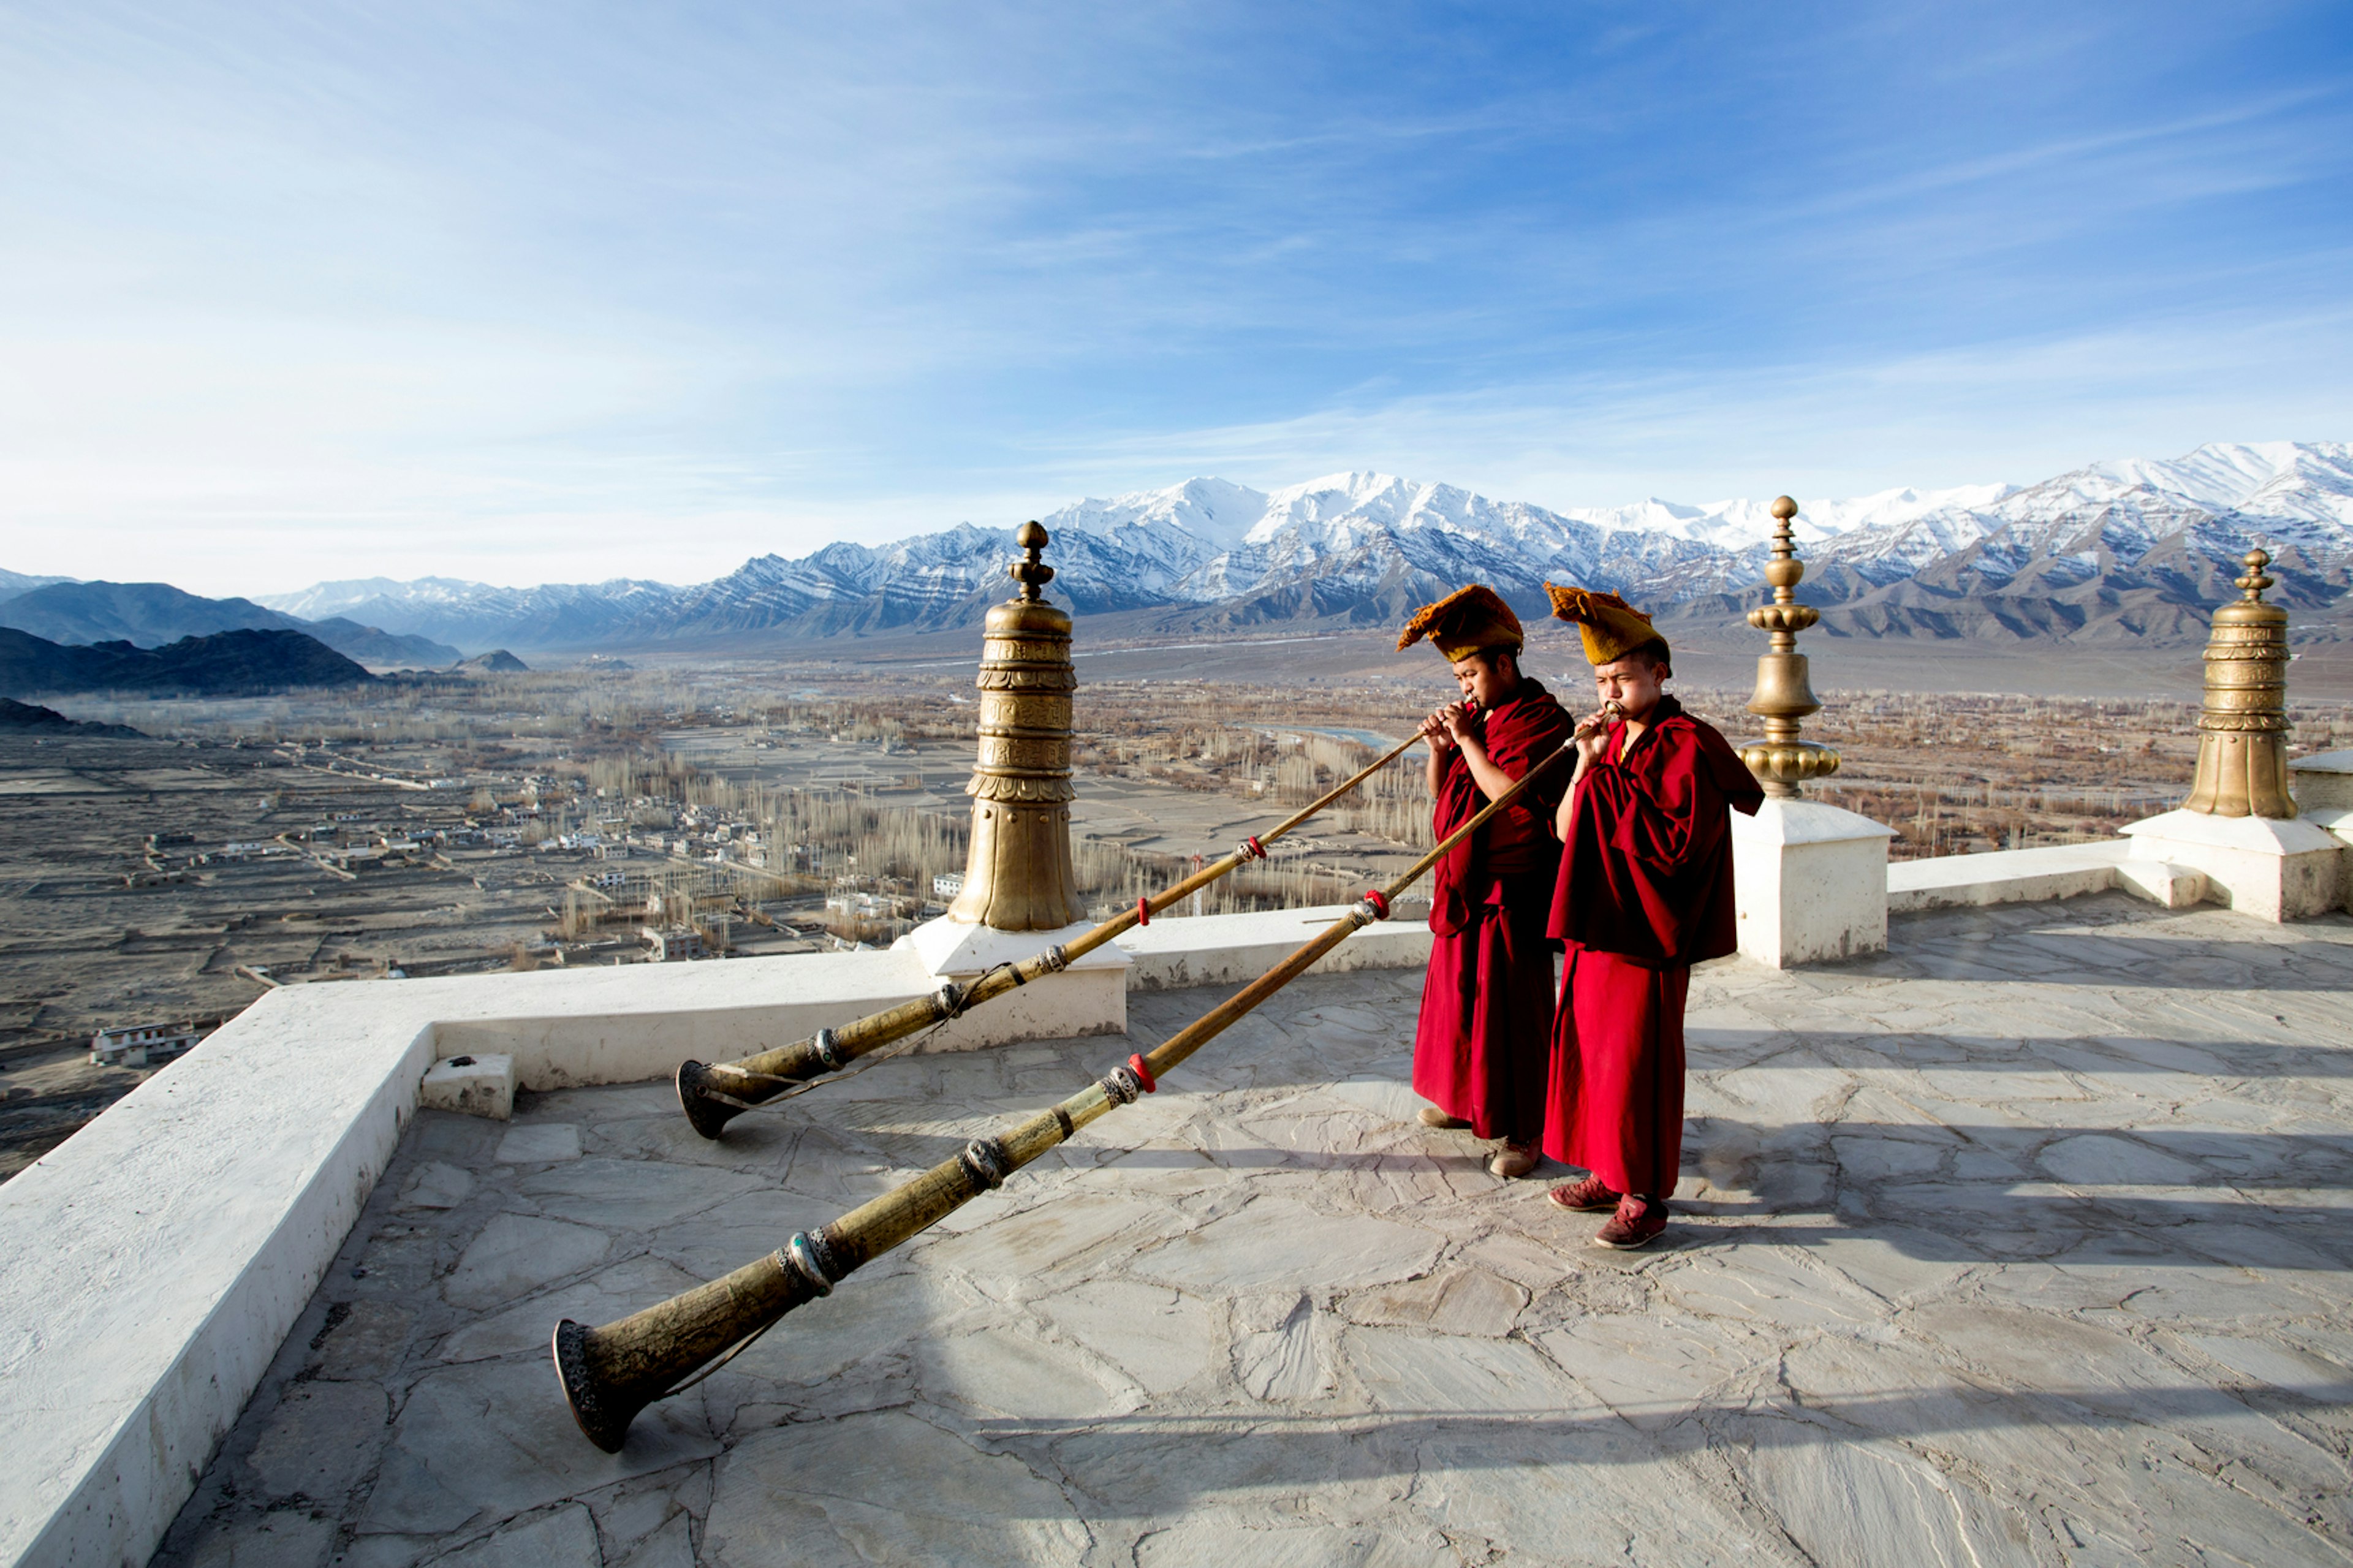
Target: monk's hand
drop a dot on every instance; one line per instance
(1434, 731)
(1456, 717)
(1593, 738)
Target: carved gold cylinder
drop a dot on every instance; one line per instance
(1018, 875)
(2242, 727)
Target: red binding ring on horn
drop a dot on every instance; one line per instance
(1143, 1074)
(1258, 850)
(1144, 911)
(1379, 901)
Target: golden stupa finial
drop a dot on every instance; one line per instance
(1781, 762)
(2243, 726)
(1018, 873)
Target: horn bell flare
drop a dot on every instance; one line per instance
(602, 1409)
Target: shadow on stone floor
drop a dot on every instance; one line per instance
(2092, 957)
(1899, 1161)
(1277, 1449)
(1897, 1154)
(2143, 1234)
(1912, 1050)
(1271, 1159)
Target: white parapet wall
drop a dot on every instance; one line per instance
(1227, 950)
(2038, 876)
(150, 1265)
(2323, 781)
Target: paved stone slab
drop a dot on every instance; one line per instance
(488, 1442)
(561, 1538)
(1451, 1301)
(1160, 1339)
(321, 1440)
(436, 1185)
(516, 1254)
(629, 1195)
(539, 1143)
(1275, 1241)
(829, 1495)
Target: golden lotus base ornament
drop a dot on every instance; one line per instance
(2242, 728)
(1783, 767)
(1018, 875)
(1785, 692)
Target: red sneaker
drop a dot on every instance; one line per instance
(1637, 1222)
(1583, 1196)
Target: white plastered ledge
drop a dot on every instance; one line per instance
(151, 1264)
(2340, 762)
(2042, 874)
(1228, 950)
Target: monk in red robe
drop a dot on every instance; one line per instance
(1644, 892)
(1480, 1048)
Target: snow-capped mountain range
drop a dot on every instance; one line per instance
(2118, 550)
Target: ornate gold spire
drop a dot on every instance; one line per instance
(1018, 875)
(1780, 761)
(2242, 729)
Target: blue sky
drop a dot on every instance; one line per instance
(533, 293)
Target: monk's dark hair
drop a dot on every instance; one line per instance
(1652, 653)
(1501, 650)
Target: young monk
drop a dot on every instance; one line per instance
(1644, 892)
(1479, 1049)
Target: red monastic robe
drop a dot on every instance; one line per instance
(1644, 892)
(1486, 1004)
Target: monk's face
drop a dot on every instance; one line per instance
(1487, 678)
(1632, 683)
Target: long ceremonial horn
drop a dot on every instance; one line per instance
(712, 1094)
(610, 1374)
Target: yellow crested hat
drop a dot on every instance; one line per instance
(1464, 623)
(1612, 628)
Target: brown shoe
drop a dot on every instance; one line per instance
(1637, 1222)
(1433, 1117)
(1583, 1196)
(1512, 1161)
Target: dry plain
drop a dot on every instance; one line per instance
(777, 806)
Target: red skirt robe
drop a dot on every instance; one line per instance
(1481, 1043)
(1644, 892)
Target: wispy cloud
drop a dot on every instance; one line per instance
(525, 291)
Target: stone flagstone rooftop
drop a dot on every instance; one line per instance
(2022, 1243)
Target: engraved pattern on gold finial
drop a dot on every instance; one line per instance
(1781, 762)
